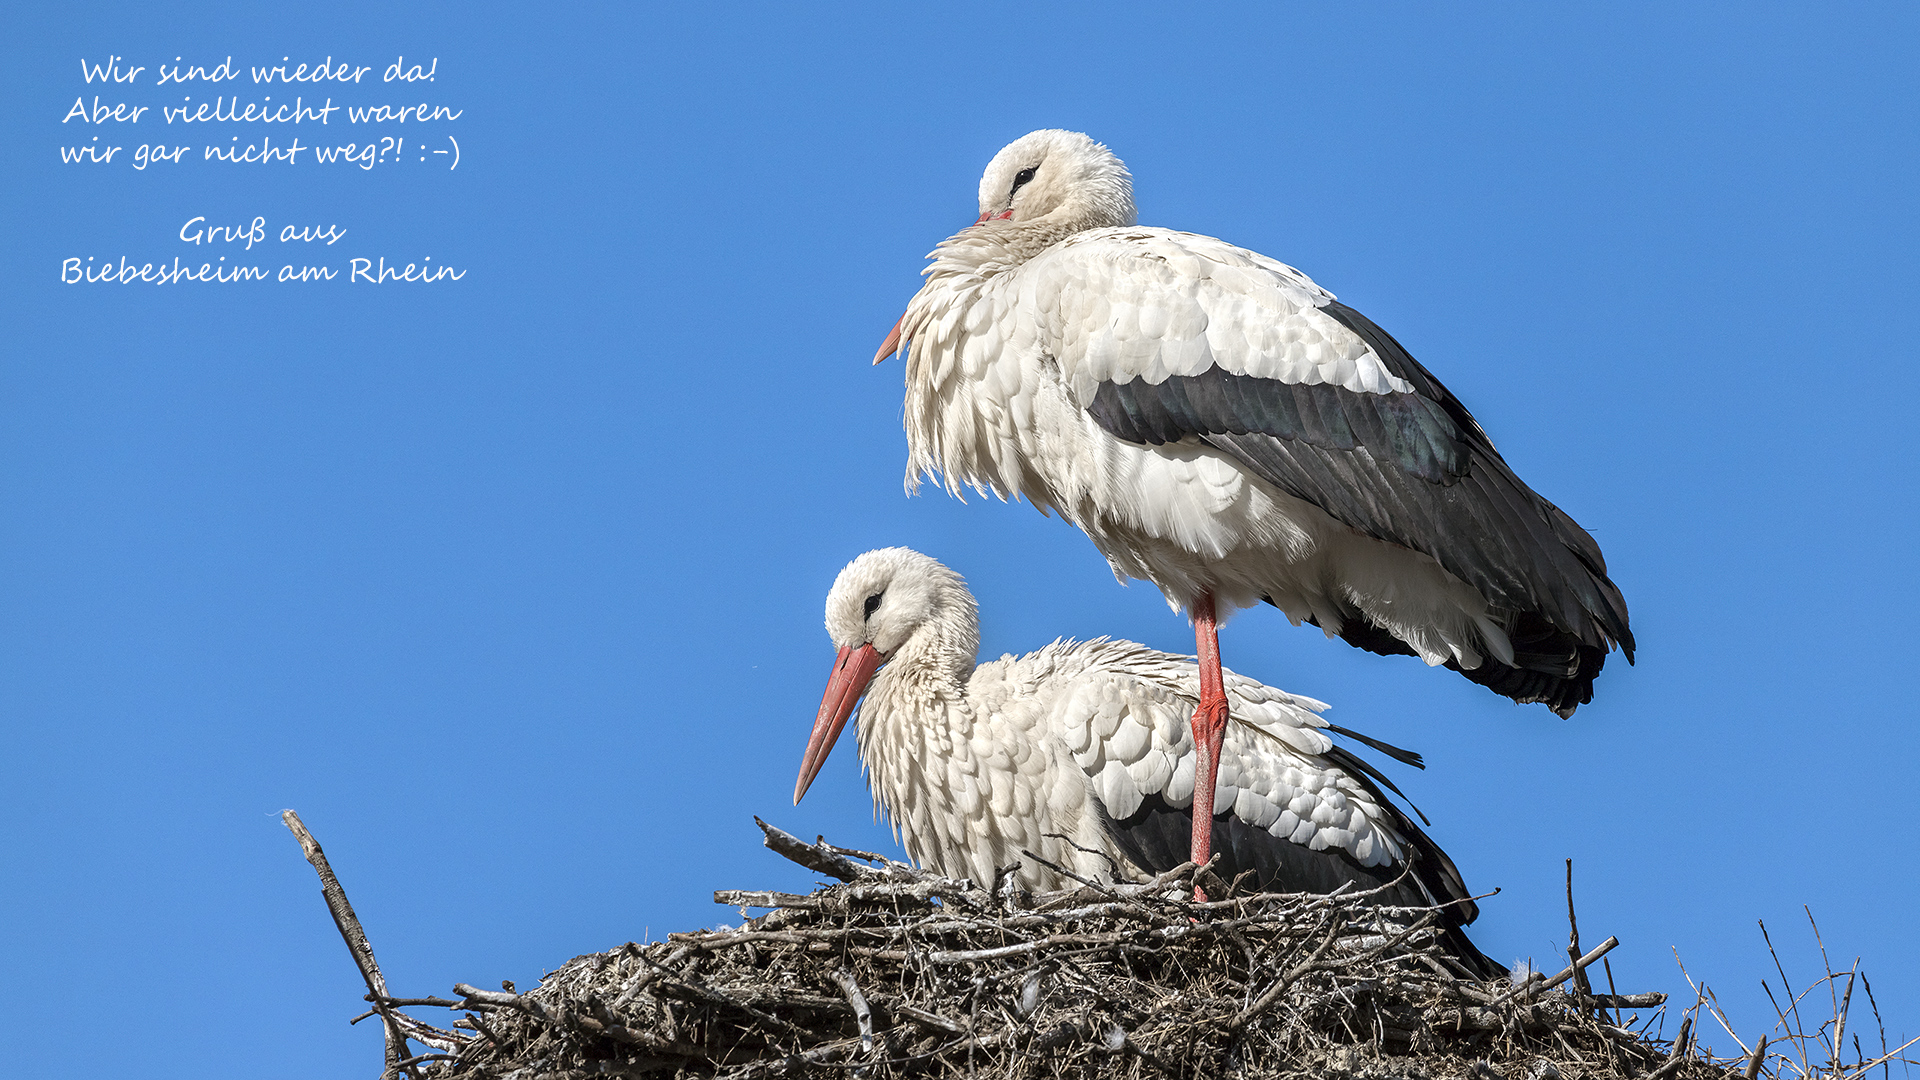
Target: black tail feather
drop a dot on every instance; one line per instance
(1550, 666)
(1399, 754)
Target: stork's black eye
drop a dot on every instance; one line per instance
(1022, 177)
(873, 604)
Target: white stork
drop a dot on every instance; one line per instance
(1221, 426)
(1081, 753)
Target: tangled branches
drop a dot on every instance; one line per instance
(898, 972)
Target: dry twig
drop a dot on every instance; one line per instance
(397, 1025)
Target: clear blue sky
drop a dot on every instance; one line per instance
(512, 586)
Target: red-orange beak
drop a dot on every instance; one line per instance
(892, 344)
(852, 670)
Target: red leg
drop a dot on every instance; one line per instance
(1209, 728)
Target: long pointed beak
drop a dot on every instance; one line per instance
(892, 344)
(852, 670)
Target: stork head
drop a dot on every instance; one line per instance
(1060, 180)
(894, 602)
(1061, 176)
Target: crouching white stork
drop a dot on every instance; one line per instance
(1221, 426)
(1082, 752)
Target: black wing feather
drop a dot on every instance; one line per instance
(1156, 838)
(1413, 469)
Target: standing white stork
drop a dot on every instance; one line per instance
(1082, 753)
(1221, 426)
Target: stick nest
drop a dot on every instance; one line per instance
(898, 972)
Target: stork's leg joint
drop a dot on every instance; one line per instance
(1209, 729)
